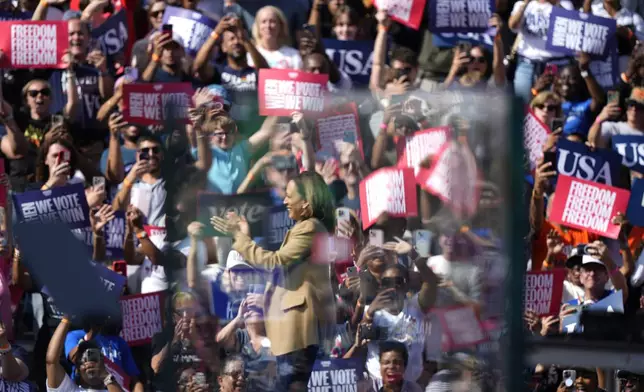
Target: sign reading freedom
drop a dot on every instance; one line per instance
(543, 291)
(142, 317)
(28, 44)
(588, 205)
(388, 190)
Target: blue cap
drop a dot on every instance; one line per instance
(220, 92)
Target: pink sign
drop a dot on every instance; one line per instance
(407, 12)
(535, 134)
(155, 103)
(388, 190)
(413, 149)
(284, 91)
(461, 328)
(29, 44)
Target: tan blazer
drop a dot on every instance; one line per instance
(299, 307)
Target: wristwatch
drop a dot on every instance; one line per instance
(109, 380)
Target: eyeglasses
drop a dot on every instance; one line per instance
(150, 150)
(34, 93)
(221, 134)
(548, 108)
(236, 374)
(478, 59)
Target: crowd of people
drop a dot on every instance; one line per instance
(405, 302)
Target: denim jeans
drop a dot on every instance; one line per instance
(523, 80)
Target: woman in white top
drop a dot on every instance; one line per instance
(532, 20)
(270, 32)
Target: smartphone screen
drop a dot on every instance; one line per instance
(422, 242)
(556, 124)
(167, 29)
(552, 69)
(376, 237)
(613, 96)
(550, 156)
(342, 214)
(120, 267)
(352, 272)
(99, 183)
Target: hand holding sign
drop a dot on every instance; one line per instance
(97, 58)
(383, 18)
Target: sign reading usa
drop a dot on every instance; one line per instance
(154, 103)
(355, 58)
(28, 44)
(112, 34)
(575, 159)
(283, 91)
(572, 32)
(631, 148)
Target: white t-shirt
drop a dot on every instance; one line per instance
(610, 129)
(282, 58)
(439, 265)
(421, 333)
(344, 84)
(571, 292)
(154, 278)
(534, 27)
(69, 386)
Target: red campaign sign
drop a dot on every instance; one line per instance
(115, 370)
(453, 177)
(28, 44)
(142, 317)
(413, 149)
(146, 103)
(157, 235)
(339, 125)
(284, 91)
(461, 328)
(543, 291)
(407, 12)
(535, 134)
(388, 190)
(588, 205)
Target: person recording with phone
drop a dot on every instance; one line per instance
(167, 58)
(394, 316)
(90, 370)
(580, 379)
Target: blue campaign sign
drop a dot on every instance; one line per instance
(114, 233)
(9, 15)
(635, 209)
(61, 204)
(459, 16)
(577, 160)
(631, 148)
(572, 32)
(336, 374)
(277, 224)
(16, 386)
(113, 282)
(112, 34)
(193, 27)
(224, 306)
(355, 58)
(449, 40)
(606, 71)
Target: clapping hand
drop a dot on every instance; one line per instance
(100, 217)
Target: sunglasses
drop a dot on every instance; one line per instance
(156, 14)
(478, 59)
(150, 150)
(548, 108)
(393, 282)
(636, 105)
(34, 93)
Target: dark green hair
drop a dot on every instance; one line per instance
(313, 189)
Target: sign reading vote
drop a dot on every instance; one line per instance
(460, 15)
(572, 32)
(336, 374)
(576, 160)
(61, 204)
(413, 149)
(277, 224)
(28, 44)
(112, 281)
(142, 317)
(543, 291)
(283, 91)
(635, 210)
(112, 34)
(252, 206)
(388, 190)
(355, 58)
(154, 103)
(631, 148)
(606, 71)
(588, 206)
(193, 27)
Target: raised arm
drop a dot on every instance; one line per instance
(379, 52)
(73, 101)
(13, 144)
(115, 170)
(201, 64)
(55, 371)
(265, 133)
(596, 91)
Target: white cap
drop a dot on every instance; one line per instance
(236, 260)
(586, 259)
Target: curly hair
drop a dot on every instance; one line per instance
(42, 170)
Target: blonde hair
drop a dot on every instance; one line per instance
(223, 123)
(543, 97)
(283, 39)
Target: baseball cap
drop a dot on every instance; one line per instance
(235, 260)
(576, 255)
(587, 260)
(220, 92)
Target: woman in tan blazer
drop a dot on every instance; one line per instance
(299, 306)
